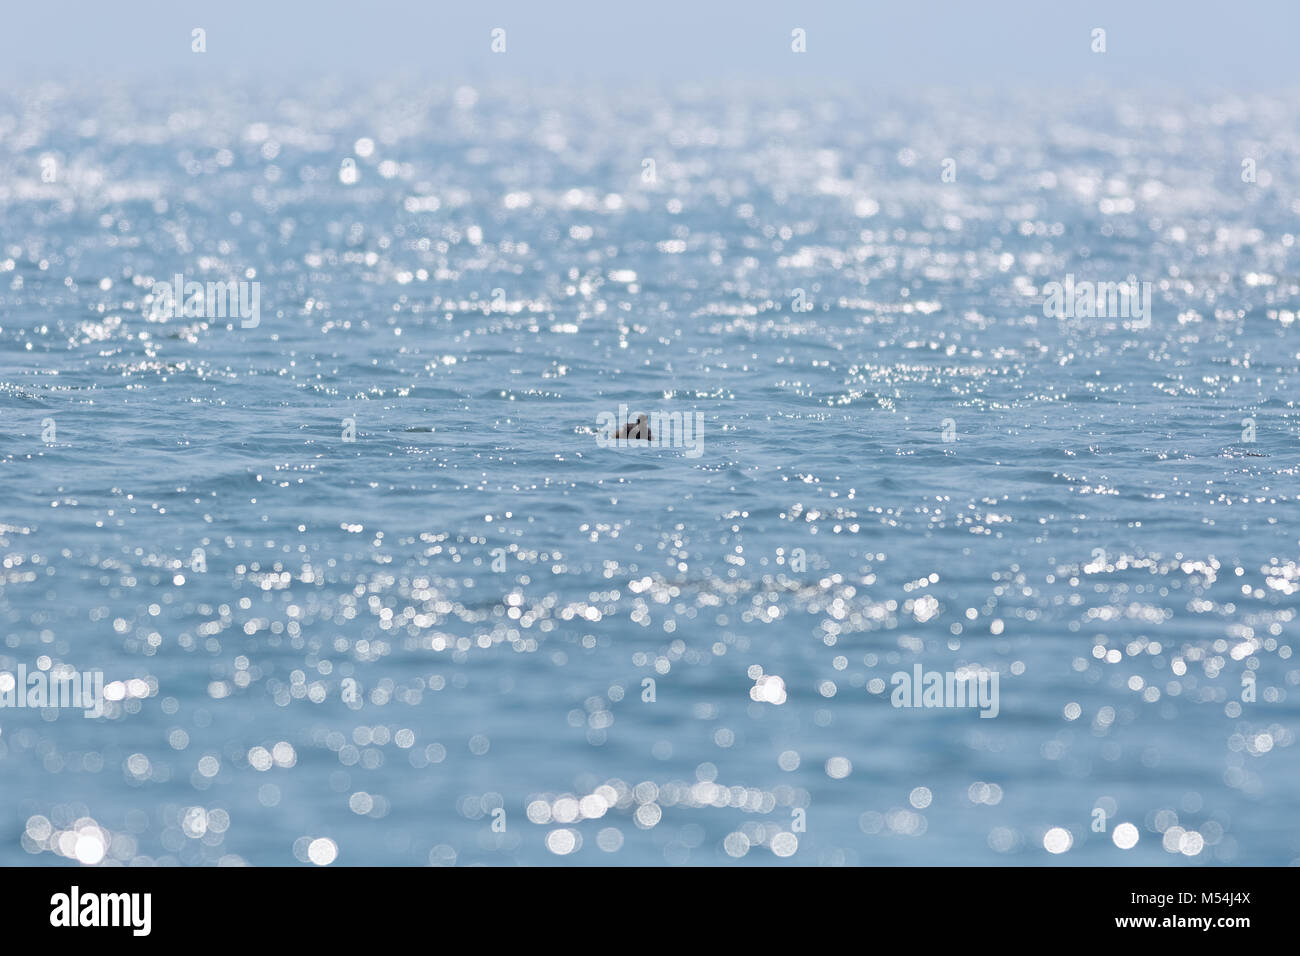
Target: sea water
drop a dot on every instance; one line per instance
(367, 585)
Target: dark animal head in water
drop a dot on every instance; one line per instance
(639, 429)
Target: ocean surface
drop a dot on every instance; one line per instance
(366, 586)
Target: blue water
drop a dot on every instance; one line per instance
(333, 665)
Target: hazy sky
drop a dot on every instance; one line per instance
(1014, 43)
